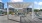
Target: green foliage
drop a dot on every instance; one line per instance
(36, 10)
(40, 10)
(5, 13)
(11, 12)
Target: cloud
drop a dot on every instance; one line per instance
(37, 8)
(5, 5)
(38, 3)
(16, 0)
(35, 2)
(0, 0)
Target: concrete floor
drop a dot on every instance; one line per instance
(3, 19)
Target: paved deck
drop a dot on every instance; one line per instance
(3, 19)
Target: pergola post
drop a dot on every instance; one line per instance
(7, 12)
(32, 10)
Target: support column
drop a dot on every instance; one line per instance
(7, 11)
(32, 10)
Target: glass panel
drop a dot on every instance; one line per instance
(0, 12)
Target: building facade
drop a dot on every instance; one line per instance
(1, 8)
(1, 5)
(11, 9)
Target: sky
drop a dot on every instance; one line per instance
(37, 3)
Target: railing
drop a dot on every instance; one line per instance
(38, 16)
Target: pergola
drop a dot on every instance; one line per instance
(18, 5)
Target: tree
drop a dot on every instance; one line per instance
(5, 13)
(40, 10)
(36, 10)
(11, 12)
